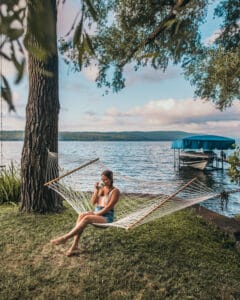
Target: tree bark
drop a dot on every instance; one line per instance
(41, 130)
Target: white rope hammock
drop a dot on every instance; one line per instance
(141, 201)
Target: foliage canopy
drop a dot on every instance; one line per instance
(114, 33)
(158, 33)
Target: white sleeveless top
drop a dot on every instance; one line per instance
(103, 200)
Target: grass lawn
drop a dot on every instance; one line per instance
(175, 257)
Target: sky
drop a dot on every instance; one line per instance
(151, 101)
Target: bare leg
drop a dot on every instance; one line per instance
(74, 248)
(83, 223)
(78, 229)
(61, 239)
(77, 236)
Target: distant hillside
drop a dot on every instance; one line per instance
(106, 136)
(122, 136)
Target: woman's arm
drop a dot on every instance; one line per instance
(96, 193)
(112, 202)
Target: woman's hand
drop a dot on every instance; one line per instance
(96, 186)
(94, 198)
(87, 213)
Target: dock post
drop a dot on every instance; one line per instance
(174, 157)
(178, 159)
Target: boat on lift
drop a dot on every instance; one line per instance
(197, 160)
(197, 151)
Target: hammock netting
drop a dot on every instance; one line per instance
(141, 201)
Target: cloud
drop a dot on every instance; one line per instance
(211, 39)
(91, 72)
(148, 75)
(74, 86)
(89, 113)
(170, 111)
(165, 114)
(13, 121)
(162, 114)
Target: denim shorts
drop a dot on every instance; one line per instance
(109, 215)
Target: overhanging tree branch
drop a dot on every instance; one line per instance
(164, 24)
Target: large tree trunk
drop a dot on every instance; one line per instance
(41, 131)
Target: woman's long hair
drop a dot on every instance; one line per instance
(109, 175)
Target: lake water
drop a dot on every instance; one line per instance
(143, 160)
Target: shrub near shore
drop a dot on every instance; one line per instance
(176, 257)
(9, 184)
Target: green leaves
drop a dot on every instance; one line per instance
(84, 48)
(15, 34)
(234, 161)
(12, 30)
(6, 92)
(81, 50)
(78, 33)
(214, 69)
(91, 9)
(20, 66)
(215, 72)
(82, 42)
(170, 23)
(116, 33)
(12, 21)
(89, 45)
(144, 32)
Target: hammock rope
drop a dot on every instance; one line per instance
(141, 201)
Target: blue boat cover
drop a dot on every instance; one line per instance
(205, 142)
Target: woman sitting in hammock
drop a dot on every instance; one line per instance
(104, 198)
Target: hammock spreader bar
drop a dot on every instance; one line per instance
(72, 171)
(165, 200)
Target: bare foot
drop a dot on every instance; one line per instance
(58, 241)
(71, 252)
